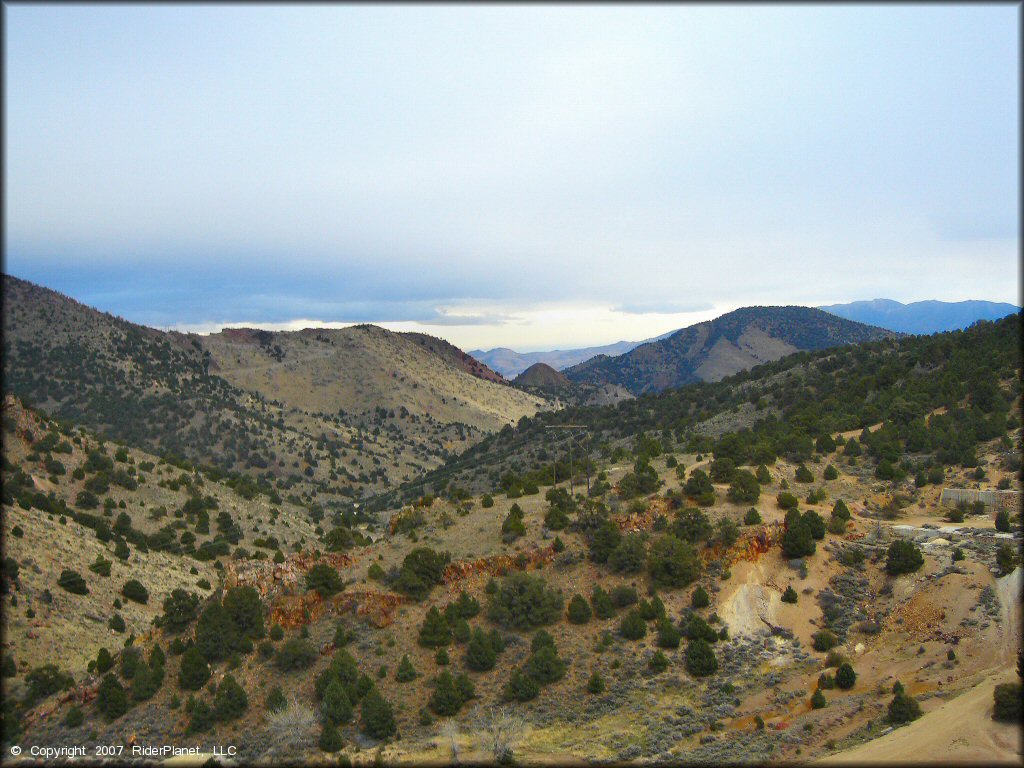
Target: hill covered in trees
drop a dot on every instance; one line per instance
(936, 397)
(731, 343)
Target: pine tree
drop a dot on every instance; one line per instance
(435, 631)
(406, 672)
(194, 672)
(330, 739)
(480, 655)
(111, 698)
(377, 719)
(231, 700)
(336, 706)
(579, 612)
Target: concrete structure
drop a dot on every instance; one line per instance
(995, 500)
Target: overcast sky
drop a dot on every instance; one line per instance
(532, 177)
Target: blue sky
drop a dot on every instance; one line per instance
(533, 177)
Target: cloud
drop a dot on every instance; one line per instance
(664, 307)
(445, 317)
(464, 167)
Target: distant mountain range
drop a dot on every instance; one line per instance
(712, 350)
(921, 317)
(510, 363)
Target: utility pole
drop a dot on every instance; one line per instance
(573, 439)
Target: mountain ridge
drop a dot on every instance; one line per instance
(922, 317)
(728, 344)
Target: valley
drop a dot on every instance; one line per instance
(757, 569)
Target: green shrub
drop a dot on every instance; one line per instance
(435, 631)
(487, 501)
(1003, 521)
(669, 635)
(787, 500)
(632, 626)
(903, 557)
(377, 719)
(790, 595)
(180, 609)
(296, 654)
(131, 660)
(524, 602)
(520, 687)
(798, 539)
(324, 579)
(335, 704)
(104, 661)
(624, 595)
(1007, 703)
(1006, 558)
(133, 590)
(700, 598)
(74, 717)
(752, 517)
(72, 581)
(448, 697)
(230, 702)
(276, 633)
(595, 684)
(421, 570)
(111, 698)
(845, 676)
(116, 623)
(44, 681)
(481, 654)
(629, 555)
(602, 603)
(831, 473)
(202, 717)
(658, 662)
(744, 488)
(903, 708)
(406, 671)
(330, 739)
(700, 658)
(824, 640)
(818, 700)
(194, 672)
(460, 630)
(579, 611)
(545, 666)
(276, 702)
(673, 563)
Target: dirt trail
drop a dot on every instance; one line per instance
(1009, 588)
(961, 730)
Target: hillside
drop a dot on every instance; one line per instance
(715, 349)
(782, 407)
(456, 634)
(542, 375)
(455, 356)
(363, 368)
(921, 316)
(72, 499)
(322, 416)
(510, 363)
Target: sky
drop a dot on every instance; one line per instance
(502, 175)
